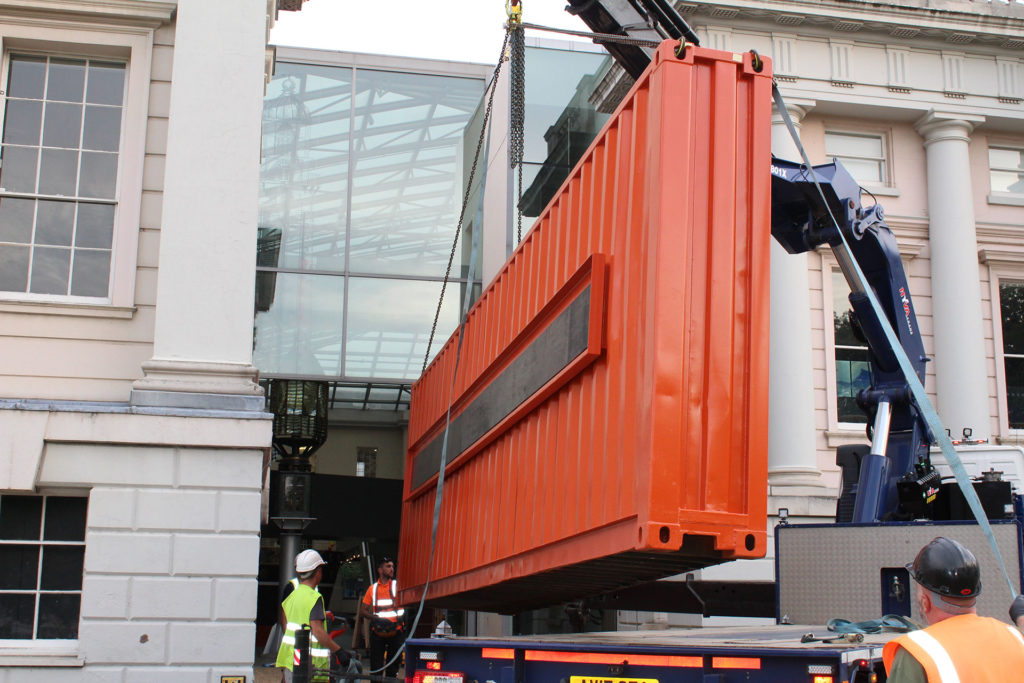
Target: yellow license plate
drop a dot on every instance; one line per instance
(608, 679)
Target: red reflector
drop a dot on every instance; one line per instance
(497, 653)
(436, 666)
(613, 658)
(736, 662)
(822, 679)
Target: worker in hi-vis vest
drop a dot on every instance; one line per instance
(958, 646)
(387, 619)
(305, 606)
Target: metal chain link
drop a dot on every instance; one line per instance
(516, 144)
(493, 87)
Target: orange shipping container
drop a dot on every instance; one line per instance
(610, 414)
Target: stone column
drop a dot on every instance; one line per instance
(792, 451)
(202, 350)
(959, 338)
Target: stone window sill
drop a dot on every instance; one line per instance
(40, 653)
(1006, 198)
(69, 309)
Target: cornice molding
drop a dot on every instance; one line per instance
(952, 21)
(148, 13)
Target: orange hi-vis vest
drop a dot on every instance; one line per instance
(384, 606)
(964, 649)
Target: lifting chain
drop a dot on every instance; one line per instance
(492, 86)
(517, 58)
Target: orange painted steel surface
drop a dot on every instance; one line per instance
(610, 413)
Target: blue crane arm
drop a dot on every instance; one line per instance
(801, 221)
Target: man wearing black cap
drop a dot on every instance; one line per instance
(957, 645)
(386, 618)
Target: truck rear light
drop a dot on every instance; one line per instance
(434, 666)
(823, 678)
(736, 662)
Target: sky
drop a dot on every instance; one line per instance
(457, 30)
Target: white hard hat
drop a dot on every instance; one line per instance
(307, 561)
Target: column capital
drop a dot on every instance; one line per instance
(797, 107)
(936, 126)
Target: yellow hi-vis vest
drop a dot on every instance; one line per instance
(297, 607)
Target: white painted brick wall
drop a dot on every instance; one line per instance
(93, 674)
(220, 643)
(235, 511)
(170, 598)
(176, 675)
(111, 508)
(234, 599)
(127, 553)
(216, 554)
(218, 469)
(104, 596)
(175, 509)
(66, 464)
(120, 642)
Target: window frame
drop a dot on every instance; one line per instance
(999, 196)
(829, 267)
(134, 46)
(1002, 274)
(887, 185)
(47, 651)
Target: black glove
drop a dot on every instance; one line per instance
(340, 659)
(1017, 608)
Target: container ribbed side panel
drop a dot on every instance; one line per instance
(609, 422)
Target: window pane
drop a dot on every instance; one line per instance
(91, 274)
(62, 567)
(58, 616)
(1007, 181)
(95, 227)
(16, 615)
(22, 122)
(28, 74)
(65, 519)
(54, 222)
(57, 171)
(299, 323)
(1011, 304)
(102, 128)
(50, 268)
(20, 517)
(1006, 158)
(18, 169)
(16, 219)
(1015, 392)
(62, 125)
(66, 81)
(106, 83)
(19, 567)
(407, 187)
(862, 170)
(13, 268)
(389, 323)
(99, 175)
(305, 167)
(844, 145)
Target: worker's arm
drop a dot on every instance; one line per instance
(320, 633)
(282, 619)
(365, 610)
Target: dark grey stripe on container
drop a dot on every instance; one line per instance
(559, 344)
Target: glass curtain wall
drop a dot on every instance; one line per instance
(361, 188)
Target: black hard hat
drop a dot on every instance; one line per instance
(947, 567)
